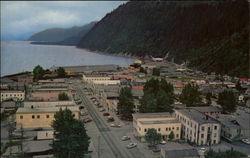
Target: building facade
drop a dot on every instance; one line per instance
(197, 127)
(40, 117)
(18, 95)
(163, 123)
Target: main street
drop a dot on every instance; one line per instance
(117, 147)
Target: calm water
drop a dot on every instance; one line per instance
(19, 56)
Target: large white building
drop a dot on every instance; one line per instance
(99, 79)
(16, 95)
(197, 127)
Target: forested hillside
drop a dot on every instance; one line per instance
(212, 36)
(62, 36)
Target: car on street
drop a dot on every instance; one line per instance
(101, 109)
(115, 125)
(106, 114)
(131, 145)
(246, 141)
(124, 138)
(163, 142)
(110, 119)
(87, 120)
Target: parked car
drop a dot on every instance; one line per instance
(110, 119)
(81, 107)
(163, 142)
(124, 138)
(131, 145)
(87, 120)
(106, 114)
(246, 141)
(115, 125)
(101, 109)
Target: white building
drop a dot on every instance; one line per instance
(16, 95)
(198, 127)
(99, 79)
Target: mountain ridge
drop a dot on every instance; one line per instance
(178, 29)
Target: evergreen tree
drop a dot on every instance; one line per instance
(156, 72)
(158, 96)
(38, 72)
(71, 139)
(238, 86)
(63, 96)
(152, 137)
(208, 98)
(171, 135)
(126, 105)
(61, 72)
(227, 100)
(190, 95)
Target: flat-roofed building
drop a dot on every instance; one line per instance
(40, 117)
(48, 95)
(164, 123)
(16, 95)
(198, 127)
(45, 104)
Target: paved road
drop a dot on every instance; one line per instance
(118, 149)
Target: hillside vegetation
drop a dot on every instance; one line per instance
(211, 36)
(68, 36)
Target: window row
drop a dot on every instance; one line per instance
(12, 95)
(159, 129)
(38, 116)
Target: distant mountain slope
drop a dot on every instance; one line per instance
(212, 36)
(62, 36)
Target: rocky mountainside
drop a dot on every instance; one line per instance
(68, 36)
(211, 36)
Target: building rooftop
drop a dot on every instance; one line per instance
(151, 115)
(11, 91)
(204, 109)
(137, 92)
(159, 122)
(177, 150)
(197, 116)
(45, 110)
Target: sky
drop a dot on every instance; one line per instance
(21, 19)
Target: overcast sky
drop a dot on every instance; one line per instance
(19, 20)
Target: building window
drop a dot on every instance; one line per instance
(169, 129)
(214, 134)
(215, 127)
(177, 128)
(145, 130)
(159, 129)
(214, 141)
(172, 128)
(177, 135)
(38, 116)
(166, 129)
(33, 116)
(202, 128)
(202, 135)
(21, 117)
(47, 116)
(74, 115)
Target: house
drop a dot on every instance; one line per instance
(197, 127)
(163, 123)
(16, 95)
(40, 117)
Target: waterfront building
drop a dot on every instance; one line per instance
(40, 117)
(164, 123)
(197, 127)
